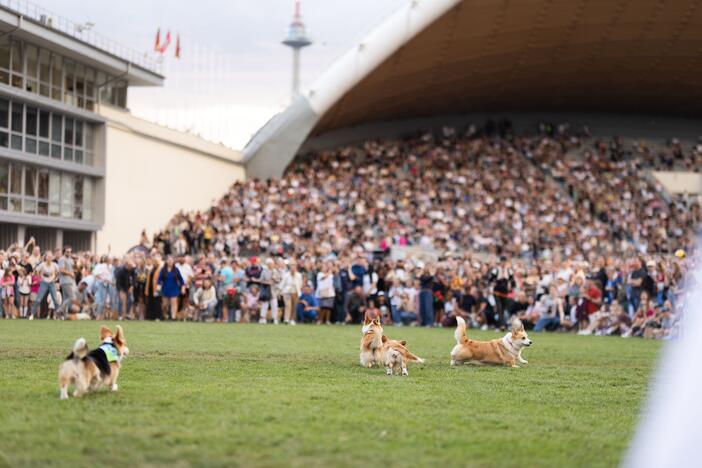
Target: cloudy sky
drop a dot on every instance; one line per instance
(233, 74)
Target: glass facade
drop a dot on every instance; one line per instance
(38, 70)
(29, 189)
(36, 131)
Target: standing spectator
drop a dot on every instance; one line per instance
(48, 272)
(356, 305)
(502, 281)
(8, 293)
(292, 288)
(102, 275)
(25, 288)
(267, 279)
(124, 281)
(325, 293)
(171, 285)
(426, 299)
(67, 280)
(152, 270)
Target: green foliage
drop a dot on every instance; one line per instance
(252, 395)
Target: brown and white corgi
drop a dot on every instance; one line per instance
(503, 351)
(377, 348)
(394, 355)
(90, 369)
(371, 342)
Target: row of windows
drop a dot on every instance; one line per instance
(49, 74)
(37, 131)
(40, 191)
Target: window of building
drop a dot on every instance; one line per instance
(38, 191)
(17, 63)
(15, 188)
(5, 60)
(31, 56)
(43, 192)
(38, 70)
(44, 72)
(16, 125)
(30, 190)
(36, 131)
(4, 183)
(31, 129)
(56, 77)
(54, 193)
(44, 119)
(80, 85)
(4, 122)
(69, 90)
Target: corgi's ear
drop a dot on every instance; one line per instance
(384, 338)
(119, 336)
(517, 326)
(104, 332)
(367, 321)
(403, 342)
(376, 321)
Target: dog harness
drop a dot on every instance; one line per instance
(110, 351)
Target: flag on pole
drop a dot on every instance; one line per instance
(157, 44)
(177, 49)
(166, 42)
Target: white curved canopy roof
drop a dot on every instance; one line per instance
(440, 57)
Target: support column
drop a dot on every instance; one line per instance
(59, 239)
(21, 233)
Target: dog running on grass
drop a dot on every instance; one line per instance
(90, 369)
(502, 351)
(377, 348)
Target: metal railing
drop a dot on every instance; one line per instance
(82, 32)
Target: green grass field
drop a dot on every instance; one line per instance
(253, 395)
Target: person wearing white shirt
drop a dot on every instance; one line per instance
(395, 294)
(291, 286)
(102, 275)
(325, 293)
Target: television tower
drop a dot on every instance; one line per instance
(296, 39)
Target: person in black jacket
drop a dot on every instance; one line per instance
(125, 279)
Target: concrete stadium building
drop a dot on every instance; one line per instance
(75, 166)
(627, 68)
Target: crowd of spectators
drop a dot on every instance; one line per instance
(627, 296)
(560, 231)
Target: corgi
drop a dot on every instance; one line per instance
(503, 351)
(90, 369)
(377, 348)
(371, 342)
(394, 355)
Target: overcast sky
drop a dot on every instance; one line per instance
(233, 74)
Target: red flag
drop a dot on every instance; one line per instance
(157, 45)
(166, 42)
(177, 51)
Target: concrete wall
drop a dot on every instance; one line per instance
(152, 172)
(680, 182)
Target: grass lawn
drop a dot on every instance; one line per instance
(265, 395)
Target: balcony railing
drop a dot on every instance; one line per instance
(82, 32)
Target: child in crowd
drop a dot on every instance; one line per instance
(250, 305)
(8, 293)
(25, 288)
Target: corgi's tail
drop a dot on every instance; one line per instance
(80, 349)
(412, 357)
(460, 332)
